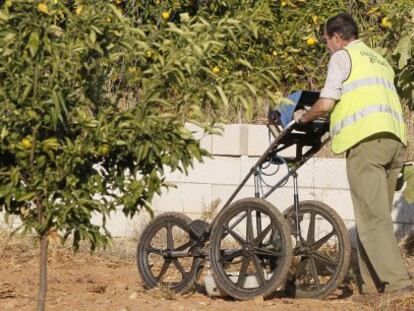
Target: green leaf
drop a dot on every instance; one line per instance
(4, 133)
(26, 197)
(7, 37)
(245, 63)
(5, 190)
(403, 49)
(3, 16)
(223, 96)
(92, 37)
(117, 12)
(33, 43)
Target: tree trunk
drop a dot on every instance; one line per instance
(41, 300)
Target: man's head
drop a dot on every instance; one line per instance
(339, 31)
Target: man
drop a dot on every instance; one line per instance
(366, 122)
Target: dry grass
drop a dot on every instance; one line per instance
(209, 212)
(407, 252)
(18, 249)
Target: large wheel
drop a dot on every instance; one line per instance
(321, 262)
(161, 257)
(245, 240)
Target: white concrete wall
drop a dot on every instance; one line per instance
(234, 154)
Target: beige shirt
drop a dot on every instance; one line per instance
(339, 68)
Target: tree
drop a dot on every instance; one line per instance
(92, 112)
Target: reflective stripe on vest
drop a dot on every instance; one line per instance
(363, 113)
(367, 82)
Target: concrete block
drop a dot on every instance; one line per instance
(118, 224)
(330, 173)
(233, 142)
(246, 163)
(339, 200)
(306, 174)
(218, 170)
(281, 198)
(170, 200)
(258, 140)
(403, 215)
(223, 193)
(186, 198)
(206, 141)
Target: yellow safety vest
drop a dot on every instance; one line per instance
(369, 103)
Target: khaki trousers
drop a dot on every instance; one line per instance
(372, 168)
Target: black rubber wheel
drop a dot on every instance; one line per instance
(157, 264)
(245, 238)
(321, 263)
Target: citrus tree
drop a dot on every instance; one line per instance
(92, 111)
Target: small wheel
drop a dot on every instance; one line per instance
(321, 262)
(158, 254)
(245, 238)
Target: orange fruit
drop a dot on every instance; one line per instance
(42, 7)
(105, 149)
(26, 143)
(385, 22)
(79, 10)
(311, 41)
(165, 15)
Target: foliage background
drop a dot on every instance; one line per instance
(272, 36)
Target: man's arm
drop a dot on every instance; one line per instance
(321, 108)
(339, 68)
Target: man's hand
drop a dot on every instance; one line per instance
(321, 108)
(298, 114)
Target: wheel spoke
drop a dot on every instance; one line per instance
(154, 250)
(325, 259)
(164, 269)
(259, 271)
(322, 241)
(235, 235)
(180, 268)
(243, 270)
(310, 239)
(262, 235)
(249, 227)
(170, 241)
(301, 266)
(266, 251)
(238, 221)
(314, 270)
(225, 233)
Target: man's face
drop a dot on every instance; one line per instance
(333, 43)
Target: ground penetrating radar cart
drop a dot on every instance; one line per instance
(252, 248)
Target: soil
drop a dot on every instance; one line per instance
(108, 280)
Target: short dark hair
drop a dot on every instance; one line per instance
(344, 25)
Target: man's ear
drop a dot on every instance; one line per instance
(337, 36)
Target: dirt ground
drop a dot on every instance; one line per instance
(108, 280)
